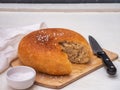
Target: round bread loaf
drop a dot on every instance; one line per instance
(53, 50)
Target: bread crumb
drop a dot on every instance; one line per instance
(77, 53)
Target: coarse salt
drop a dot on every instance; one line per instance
(21, 76)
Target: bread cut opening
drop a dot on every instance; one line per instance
(77, 53)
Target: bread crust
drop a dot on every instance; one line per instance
(41, 50)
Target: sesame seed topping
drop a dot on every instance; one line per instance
(44, 37)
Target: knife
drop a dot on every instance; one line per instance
(98, 51)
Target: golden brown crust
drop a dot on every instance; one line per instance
(41, 50)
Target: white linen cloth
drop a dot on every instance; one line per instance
(9, 40)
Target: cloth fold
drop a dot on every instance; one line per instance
(9, 40)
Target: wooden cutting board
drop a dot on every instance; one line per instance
(78, 71)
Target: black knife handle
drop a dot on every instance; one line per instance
(111, 69)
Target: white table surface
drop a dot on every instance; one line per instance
(104, 26)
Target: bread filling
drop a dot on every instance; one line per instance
(77, 53)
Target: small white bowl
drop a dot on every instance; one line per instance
(21, 77)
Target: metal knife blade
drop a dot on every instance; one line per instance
(94, 45)
(97, 50)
